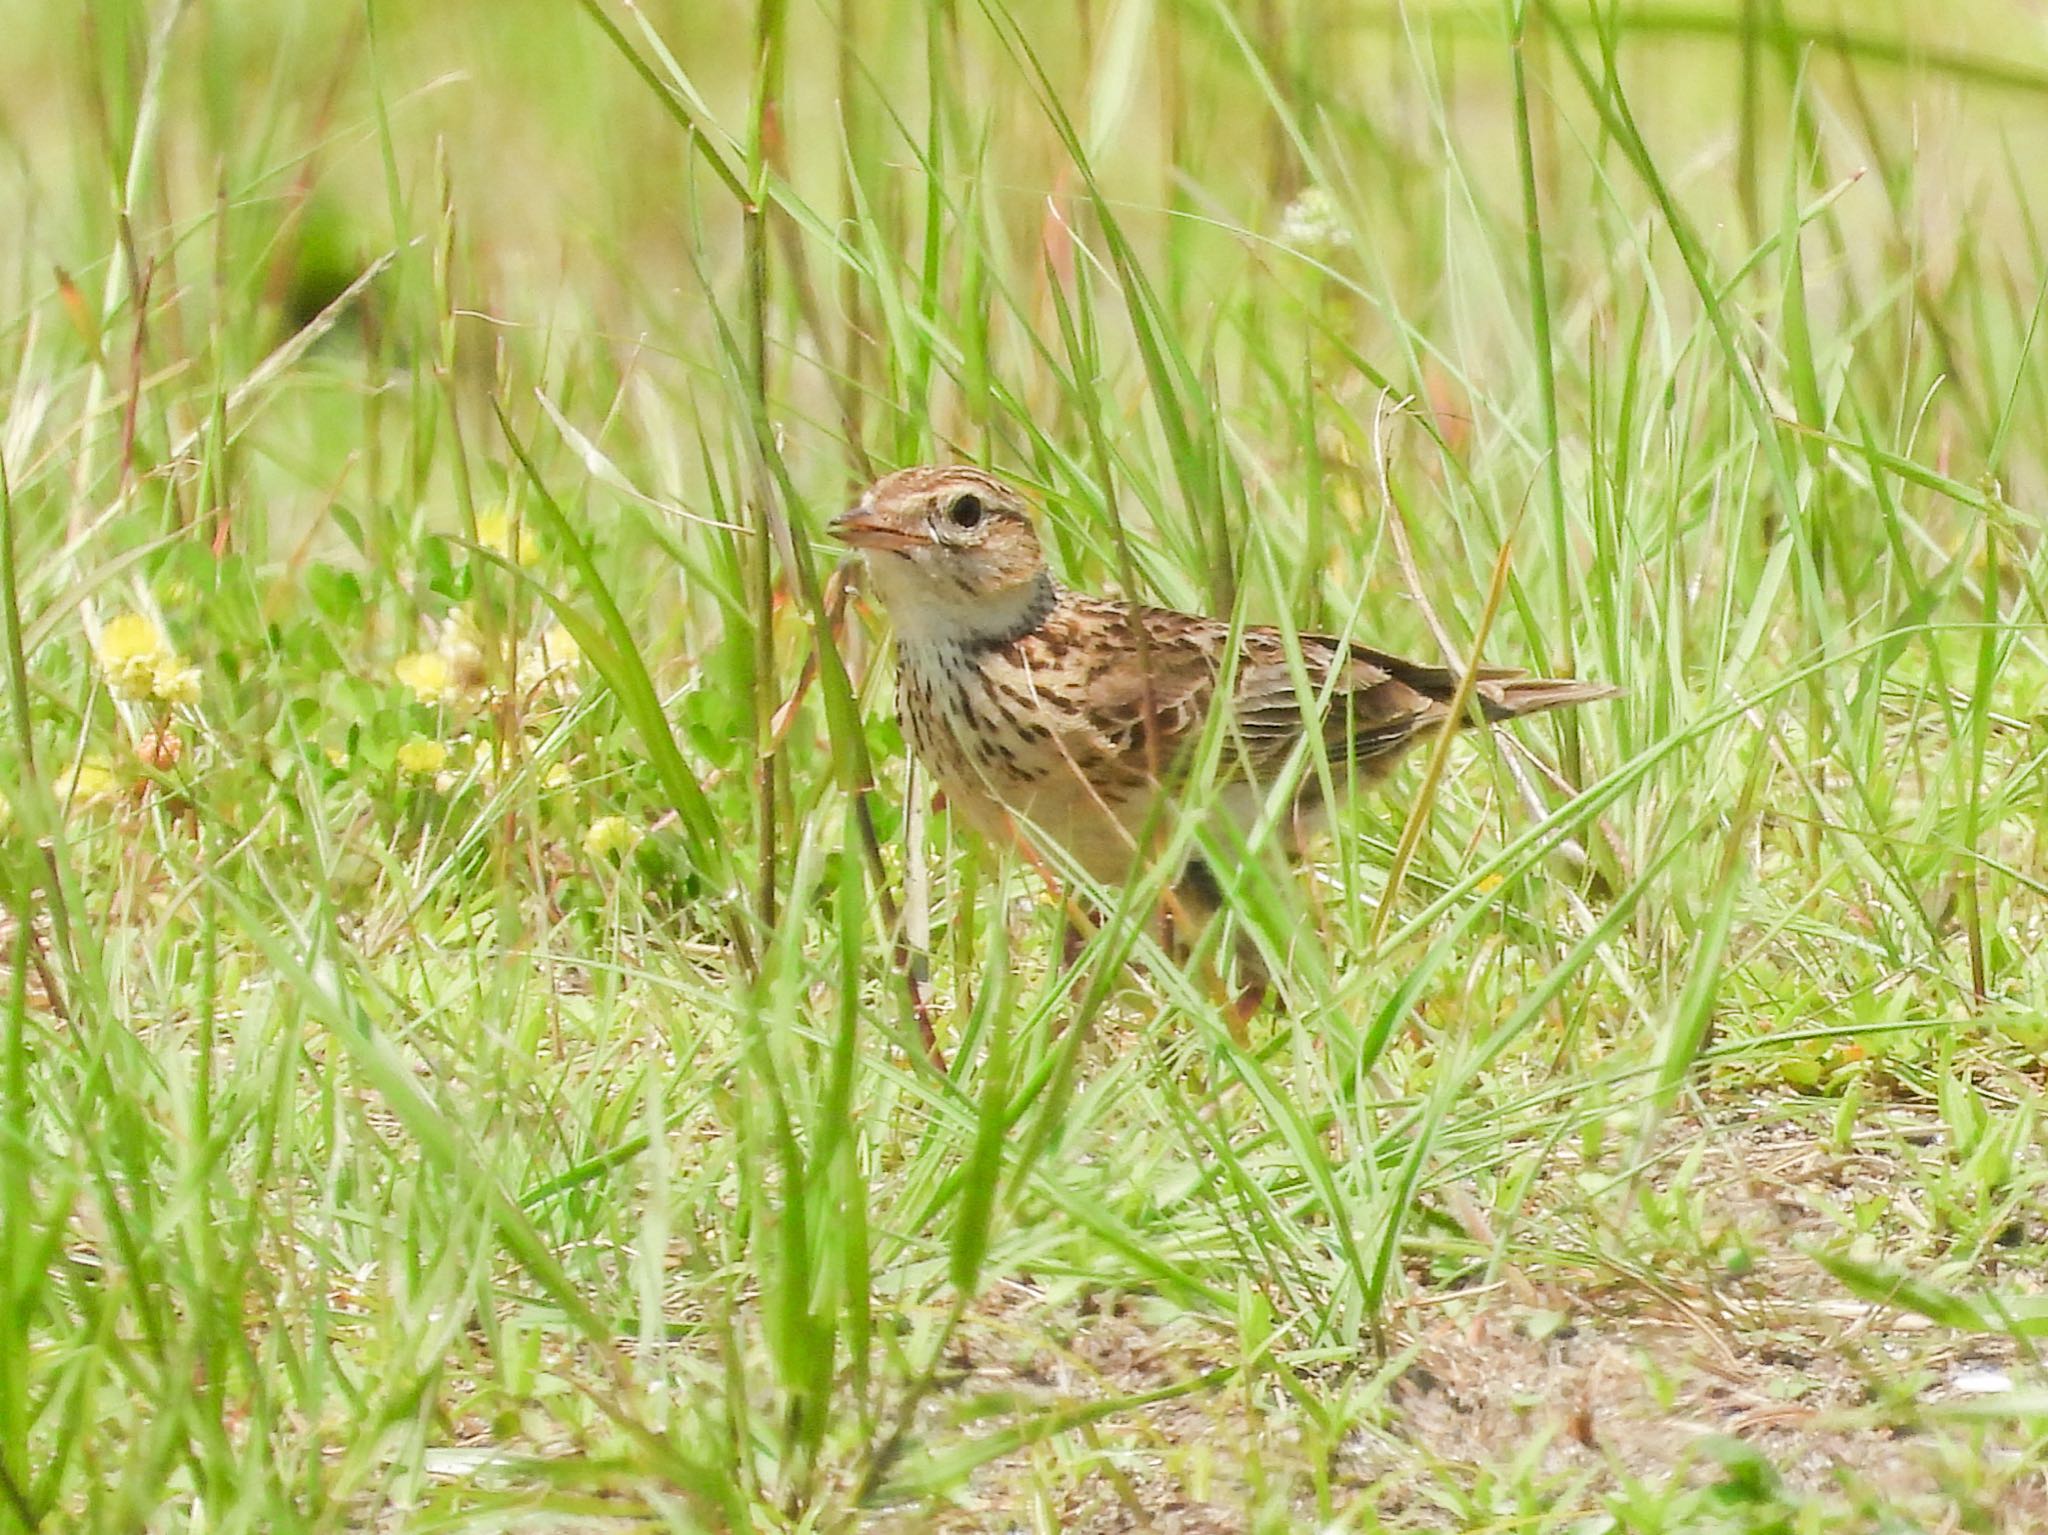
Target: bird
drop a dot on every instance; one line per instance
(1057, 719)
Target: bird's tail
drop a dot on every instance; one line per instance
(1502, 692)
(1511, 698)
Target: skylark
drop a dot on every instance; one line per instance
(1061, 718)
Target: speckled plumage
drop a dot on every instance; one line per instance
(1062, 716)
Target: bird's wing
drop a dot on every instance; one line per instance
(1151, 681)
(1148, 703)
(1369, 707)
(1145, 705)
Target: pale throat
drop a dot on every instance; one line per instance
(929, 609)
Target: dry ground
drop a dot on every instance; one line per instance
(1586, 1382)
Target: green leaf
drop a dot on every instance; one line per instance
(2015, 1316)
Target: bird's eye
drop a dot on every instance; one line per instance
(966, 512)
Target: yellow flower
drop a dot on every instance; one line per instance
(86, 784)
(173, 682)
(494, 532)
(426, 672)
(610, 835)
(131, 649)
(129, 636)
(560, 647)
(139, 663)
(422, 758)
(548, 663)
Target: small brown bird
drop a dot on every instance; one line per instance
(1061, 718)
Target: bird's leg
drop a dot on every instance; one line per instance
(1054, 890)
(1254, 986)
(1071, 940)
(921, 1008)
(1195, 901)
(1078, 919)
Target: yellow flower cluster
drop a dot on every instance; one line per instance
(422, 758)
(548, 663)
(610, 836)
(448, 763)
(91, 782)
(76, 787)
(139, 663)
(494, 532)
(445, 765)
(462, 670)
(454, 674)
(426, 672)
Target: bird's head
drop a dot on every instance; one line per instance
(951, 552)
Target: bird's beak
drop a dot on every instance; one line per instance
(864, 530)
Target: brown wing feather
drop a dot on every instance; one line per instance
(1373, 711)
(1101, 697)
(1378, 704)
(1152, 702)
